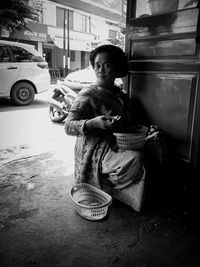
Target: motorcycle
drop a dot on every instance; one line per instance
(61, 102)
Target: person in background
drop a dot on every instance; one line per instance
(98, 111)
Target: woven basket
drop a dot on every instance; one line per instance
(132, 141)
(90, 202)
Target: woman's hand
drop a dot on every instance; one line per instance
(101, 122)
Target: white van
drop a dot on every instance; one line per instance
(23, 72)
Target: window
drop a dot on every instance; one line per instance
(4, 54)
(22, 55)
(72, 56)
(112, 34)
(156, 7)
(60, 17)
(81, 23)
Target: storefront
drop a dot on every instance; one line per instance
(37, 35)
(79, 48)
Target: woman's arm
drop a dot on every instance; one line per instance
(82, 121)
(80, 112)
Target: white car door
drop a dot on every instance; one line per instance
(9, 71)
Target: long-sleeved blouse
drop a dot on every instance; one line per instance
(92, 145)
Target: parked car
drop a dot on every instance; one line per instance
(78, 79)
(23, 72)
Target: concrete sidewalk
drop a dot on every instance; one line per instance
(39, 226)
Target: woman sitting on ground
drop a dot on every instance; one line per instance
(98, 111)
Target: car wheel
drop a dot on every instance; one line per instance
(22, 94)
(55, 115)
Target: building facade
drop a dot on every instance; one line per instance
(84, 23)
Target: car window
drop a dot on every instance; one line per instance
(22, 55)
(4, 54)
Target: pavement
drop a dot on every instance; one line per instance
(39, 226)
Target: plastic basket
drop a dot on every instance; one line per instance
(90, 202)
(132, 141)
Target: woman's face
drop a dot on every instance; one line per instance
(104, 70)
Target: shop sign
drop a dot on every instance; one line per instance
(38, 32)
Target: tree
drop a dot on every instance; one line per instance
(14, 14)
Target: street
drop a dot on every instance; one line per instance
(28, 130)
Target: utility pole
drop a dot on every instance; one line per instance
(68, 46)
(64, 48)
(65, 71)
